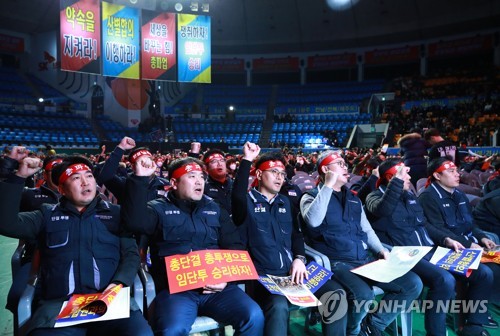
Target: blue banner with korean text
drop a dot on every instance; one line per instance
(194, 48)
(317, 275)
(120, 41)
(461, 262)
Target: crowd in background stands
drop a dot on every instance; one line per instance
(471, 122)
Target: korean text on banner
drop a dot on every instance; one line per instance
(111, 304)
(80, 35)
(158, 53)
(460, 262)
(208, 267)
(194, 48)
(120, 41)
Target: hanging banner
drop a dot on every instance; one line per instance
(158, 61)
(283, 64)
(228, 65)
(120, 41)
(80, 23)
(404, 54)
(194, 43)
(11, 43)
(476, 44)
(347, 60)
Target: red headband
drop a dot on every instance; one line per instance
(265, 166)
(215, 156)
(187, 168)
(388, 174)
(270, 165)
(446, 165)
(329, 159)
(51, 164)
(74, 168)
(138, 154)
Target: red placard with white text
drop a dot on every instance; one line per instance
(158, 51)
(208, 267)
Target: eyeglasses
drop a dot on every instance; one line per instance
(341, 164)
(217, 162)
(276, 173)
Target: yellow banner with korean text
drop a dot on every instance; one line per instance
(208, 267)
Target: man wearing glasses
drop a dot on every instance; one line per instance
(218, 185)
(186, 220)
(270, 232)
(336, 225)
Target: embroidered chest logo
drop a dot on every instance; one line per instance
(210, 212)
(412, 202)
(104, 217)
(214, 189)
(259, 208)
(41, 196)
(282, 210)
(446, 205)
(58, 218)
(172, 212)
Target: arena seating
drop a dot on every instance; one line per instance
(114, 131)
(232, 133)
(33, 128)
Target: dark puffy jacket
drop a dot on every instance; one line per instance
(487, 212)
(396, 216)
(79, 252)
(451, 213)
(414, 151)
(220, 192)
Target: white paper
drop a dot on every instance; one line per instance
(401, 260)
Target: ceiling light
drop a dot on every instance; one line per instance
(341, 4)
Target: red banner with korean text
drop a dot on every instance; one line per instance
(11, 43)
(80, 23)
(285, 64)
(208, 267)
(228, 65)
(158, 53)
(322, 62)
(458, 47)
(394, 55)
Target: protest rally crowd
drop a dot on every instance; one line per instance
(91, 222)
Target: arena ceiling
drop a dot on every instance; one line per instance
(281, 26)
